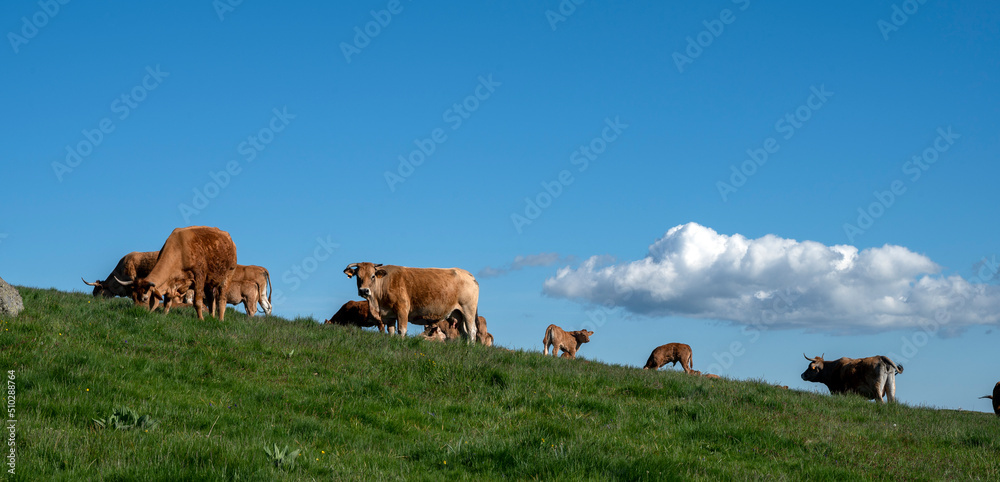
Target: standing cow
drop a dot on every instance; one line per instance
(250, 285)
(870, 377)
(397, 294)
(197, 257)
(671, 353)
(131, 267)
(567, 341)
(355, 313)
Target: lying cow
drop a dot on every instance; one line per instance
(996, 399)
(355, 313)
(567, 341)
(197, 257)
(872, 377)
(671, 353)
(445, 330)
(398, 295)
(131, 267)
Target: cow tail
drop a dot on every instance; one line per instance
(267, 277)
(899, 368)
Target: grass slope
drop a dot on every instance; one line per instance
(364, 406)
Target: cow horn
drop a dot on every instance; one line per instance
(987, 396)
(123, 283)
(810, 359)
(95, 283)
(377, 265)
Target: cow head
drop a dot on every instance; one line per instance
(582, 336)
(142, 291)
(815, 368)
(367, 273)
(433, 333)
(99, 289)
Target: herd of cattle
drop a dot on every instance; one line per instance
(197, 267)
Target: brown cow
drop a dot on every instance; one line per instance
(131, 267)
(567, 341)
(711, 375)
(446, 330)
(248, 285)
(671, 353)
(870, 377)
(203, 258)
(355, 313)
(398, 295)
(996, 399)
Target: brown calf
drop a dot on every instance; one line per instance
(567, 341)
(671, 353)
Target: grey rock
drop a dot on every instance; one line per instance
(10, 300)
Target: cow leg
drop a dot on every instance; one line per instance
(264, 304)
(469, 313)
(879, 388)
(250, 304)
(199, 297)
(402, 317)
(890, 388)
(222, 300)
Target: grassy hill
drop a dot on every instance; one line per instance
(360, 405)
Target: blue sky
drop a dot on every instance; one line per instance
(597, 165)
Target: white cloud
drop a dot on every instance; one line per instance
(520, 262)
(695, 272)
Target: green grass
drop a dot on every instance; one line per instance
(360, 405)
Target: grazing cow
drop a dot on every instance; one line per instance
(197, 257)
(567, 341)
(131, 267)
(996, 399)
(870, 377)
(671, 353)
(355, 313)
(445, 330)
(397, 294)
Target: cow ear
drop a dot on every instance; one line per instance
(351, 270)
(380, 273)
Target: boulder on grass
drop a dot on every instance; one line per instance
(10, 300)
